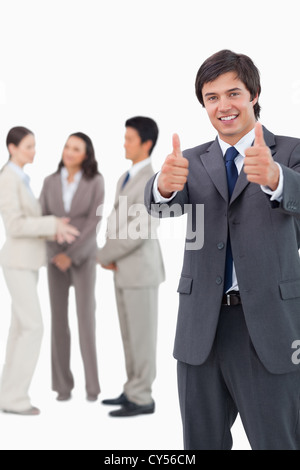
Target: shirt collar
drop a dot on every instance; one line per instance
(139, 166)
(65, 175)
(19, 171)
(241, 145)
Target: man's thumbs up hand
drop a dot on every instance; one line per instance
(259, 165)
(176, 146)
(174, 171)
(259, 136)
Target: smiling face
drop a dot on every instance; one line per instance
(74, 154)
(229, 107)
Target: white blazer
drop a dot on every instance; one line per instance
(26, 229)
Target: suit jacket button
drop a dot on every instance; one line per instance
(219, 280)
(221, 246)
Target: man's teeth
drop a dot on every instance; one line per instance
(228, 118)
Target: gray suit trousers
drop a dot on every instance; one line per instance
(233, 380)
(83, 279)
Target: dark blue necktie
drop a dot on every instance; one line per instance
(126, 180)
(232, 176)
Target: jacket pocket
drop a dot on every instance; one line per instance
(185, 285)
(290, 289)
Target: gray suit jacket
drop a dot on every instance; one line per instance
(83, 214)
(265, 239)
(131, 240)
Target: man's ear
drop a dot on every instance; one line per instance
(255, 99)
(148, 145)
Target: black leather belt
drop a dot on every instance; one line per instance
(232, 299)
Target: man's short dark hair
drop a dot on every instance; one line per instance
(146, 128)
(227, 61)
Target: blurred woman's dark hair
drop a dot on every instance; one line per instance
(16, 135)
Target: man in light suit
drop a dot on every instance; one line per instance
(239, 312)
(133, 252)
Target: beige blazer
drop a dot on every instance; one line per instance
(26, 229)
(84, 215)
(138, 258)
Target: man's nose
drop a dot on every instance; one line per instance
(224, 104)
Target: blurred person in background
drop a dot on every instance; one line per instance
(75, 191)
(136, 260)
(23, 254)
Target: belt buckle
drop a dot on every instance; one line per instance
(228, 300)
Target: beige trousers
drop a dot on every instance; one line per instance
(24, 340)
(137, 309)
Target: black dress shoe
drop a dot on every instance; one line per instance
(131, 409)
(121, 400)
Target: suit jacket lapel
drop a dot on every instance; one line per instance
(119, 191)
(241, 184)
(213, 162)
(29, 199)
(132, 182)
(81, 189)
(125, 191)
(58, 194)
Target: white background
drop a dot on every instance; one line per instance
(88, 65)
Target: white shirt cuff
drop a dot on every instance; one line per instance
(277, 195)
(156, 194)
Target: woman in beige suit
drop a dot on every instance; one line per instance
(76, 190)
(21, 257)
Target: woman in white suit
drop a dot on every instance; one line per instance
(21, 257)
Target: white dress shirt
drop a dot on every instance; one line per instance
(69, 189)
(135, 169)
(241, 147)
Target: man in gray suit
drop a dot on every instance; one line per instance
(239, 313)
(133, 252)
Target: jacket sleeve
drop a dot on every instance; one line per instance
(43, 199)
(17, 223)
(139, 227)
(290, 203)
(174, 208)
(136, 227)
(80, 250)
